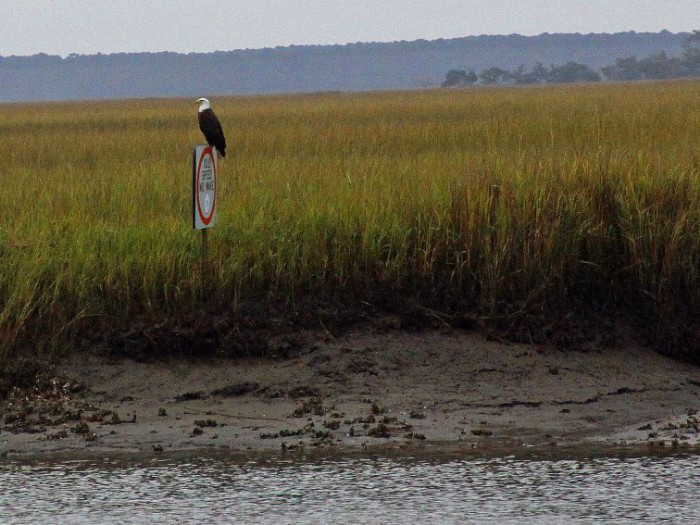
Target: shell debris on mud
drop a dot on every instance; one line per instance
(380, 388)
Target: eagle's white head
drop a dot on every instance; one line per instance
(203, 104)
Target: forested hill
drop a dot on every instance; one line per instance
(361, 66)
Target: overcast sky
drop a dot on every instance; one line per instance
(108, 26)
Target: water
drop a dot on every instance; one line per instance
(386, 491)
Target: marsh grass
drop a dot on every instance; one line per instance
(488, 201)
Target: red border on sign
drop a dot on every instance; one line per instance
(205, 152)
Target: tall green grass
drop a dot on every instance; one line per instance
(470, 199)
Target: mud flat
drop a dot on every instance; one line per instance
(397, 390)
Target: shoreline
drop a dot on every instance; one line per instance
(363, 394)
(431, 452)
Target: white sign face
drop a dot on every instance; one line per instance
(203, 187)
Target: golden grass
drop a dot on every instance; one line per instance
(469, 199)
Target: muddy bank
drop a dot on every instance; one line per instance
(393, 390)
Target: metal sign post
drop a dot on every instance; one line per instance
(204, 166)
(204, 187)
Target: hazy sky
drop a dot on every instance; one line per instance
(108, 26)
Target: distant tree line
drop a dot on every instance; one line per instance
(655, 67)
(540, 74)
(294, 69)
(659, 66)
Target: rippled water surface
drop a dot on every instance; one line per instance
(386, 491)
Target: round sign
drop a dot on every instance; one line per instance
(205, 186)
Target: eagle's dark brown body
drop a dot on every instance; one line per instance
(211, 127)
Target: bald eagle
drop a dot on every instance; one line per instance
(211, 127)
